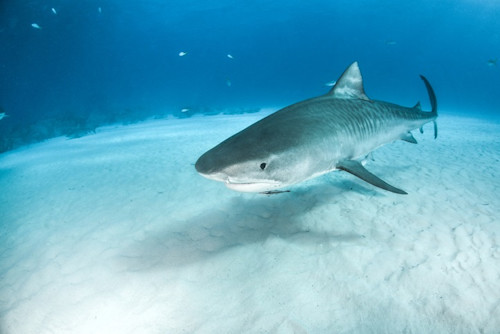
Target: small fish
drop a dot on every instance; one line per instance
(185, 109)
(182, 54)
(36, 26)
(331, 83)
(492, 62)
(3, 115)
(54, 11)
(274, 192)
(99, 10)
(230, 56)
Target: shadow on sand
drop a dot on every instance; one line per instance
(242, 221)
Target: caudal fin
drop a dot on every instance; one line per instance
(432, 97)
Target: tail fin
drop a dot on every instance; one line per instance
(432, 97)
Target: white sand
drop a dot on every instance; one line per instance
(116, 233)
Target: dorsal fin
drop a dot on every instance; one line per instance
(349, 85)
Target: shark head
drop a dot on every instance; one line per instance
(253, 175)
(253, 160)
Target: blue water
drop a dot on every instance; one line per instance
(99, 62)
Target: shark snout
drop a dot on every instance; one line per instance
(206, 167)
(215, 176)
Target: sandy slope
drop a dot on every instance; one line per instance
(116, 233)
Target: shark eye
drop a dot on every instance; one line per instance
(263, 165)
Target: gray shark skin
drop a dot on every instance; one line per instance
(331, 132)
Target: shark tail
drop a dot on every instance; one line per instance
(432, 97)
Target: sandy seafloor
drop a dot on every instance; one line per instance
(117, 233)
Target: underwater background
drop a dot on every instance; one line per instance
(67, 67)
(106, 226)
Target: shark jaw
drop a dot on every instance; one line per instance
(254, 187)
(246, 186)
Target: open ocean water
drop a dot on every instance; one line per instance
(105, 226)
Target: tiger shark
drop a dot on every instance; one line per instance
(335, 131)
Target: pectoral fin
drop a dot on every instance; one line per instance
(408, 137)
(356, 169)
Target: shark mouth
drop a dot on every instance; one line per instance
(244, 185)
(252, 187)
